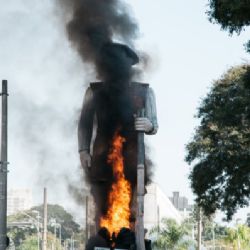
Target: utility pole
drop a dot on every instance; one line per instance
(140, 242)
(158, 218)
(72, 243)
(55, 225)
(38, 227)
(4, 167)
(213, 235)
(60, 235)
(45, 219)
(86, 219)
(238, 238)
(199, 228)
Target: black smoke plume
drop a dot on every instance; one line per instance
(96, 23)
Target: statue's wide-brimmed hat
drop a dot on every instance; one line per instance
(111, 48)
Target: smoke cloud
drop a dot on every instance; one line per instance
(95, 25)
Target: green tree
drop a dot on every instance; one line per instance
(239, 237)
(18, 235)
(66, 220)
(232, 15)
(172, 235)
(215, 230)
(210, 229)
(220, 148)
(248, 220)
(30, 243)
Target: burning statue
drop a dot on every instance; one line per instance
(116, 113)
(107, 135)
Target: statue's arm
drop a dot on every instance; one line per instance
(151, 112)
(85, 124)
(148, 123)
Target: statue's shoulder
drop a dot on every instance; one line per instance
(96, 85)
(139, 84)
(140, 88)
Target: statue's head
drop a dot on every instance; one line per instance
(116, 61)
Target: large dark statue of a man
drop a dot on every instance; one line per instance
(109, 107)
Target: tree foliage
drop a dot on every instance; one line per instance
(232, 15)
(172, 235)
(56, 212)
(61, 216)
(30, 243)
(213, 230)
(18, 235)
(239, 237)
(248, 220)
(220, 148)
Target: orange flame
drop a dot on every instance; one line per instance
(120, 194)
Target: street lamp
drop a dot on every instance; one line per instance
(72, 246)
(56, 225)
(37, 224)
(60, 234)
(213, 228)
(38, 231)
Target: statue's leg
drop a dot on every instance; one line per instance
(133, 208)
(99, 191)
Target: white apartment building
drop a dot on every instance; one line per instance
(19, 200)
(158, 206)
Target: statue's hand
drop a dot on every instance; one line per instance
(143, 124)
(85, 159)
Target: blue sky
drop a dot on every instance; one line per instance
(47, 81)
(190, 53)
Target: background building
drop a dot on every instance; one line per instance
(181, 204)
(19, 200)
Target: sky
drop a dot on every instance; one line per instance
(47, 81)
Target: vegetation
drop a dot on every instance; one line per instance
(232, 15)
(30, 243)
(58, 213)
(219, 150)
(25, 237)
(239, 237)
(172, 235)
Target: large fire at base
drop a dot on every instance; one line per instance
(120, 194)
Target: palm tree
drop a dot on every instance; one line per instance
(172, 235)
(239, 237)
